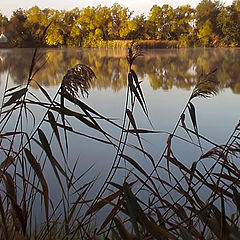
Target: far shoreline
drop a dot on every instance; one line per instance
(123, 44)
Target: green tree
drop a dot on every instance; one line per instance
(55, 34)
(169, 25)
(228, 26)
(4, 23)
(206, 33)
(137, 28)
(18, 34)
(36, 22)
(154, 23)
(102, 20)
(161, 23)
(206, 17)
(235, 8)
(119, 27)
(67, 23)
(85, 25)
(184, 18)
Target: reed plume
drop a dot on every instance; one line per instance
(78, 78)
(134, 51)
(207, 86)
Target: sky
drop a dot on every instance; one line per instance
(138, 6)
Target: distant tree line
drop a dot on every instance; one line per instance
(211, 24)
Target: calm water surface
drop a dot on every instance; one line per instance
(167, 76)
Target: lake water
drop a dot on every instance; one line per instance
(167, 75)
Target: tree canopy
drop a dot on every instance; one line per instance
(210, 24)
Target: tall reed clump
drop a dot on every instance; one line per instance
(148, 44)
(172, 201)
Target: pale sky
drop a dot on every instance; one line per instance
(138, 6)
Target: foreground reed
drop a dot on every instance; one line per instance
(165, 203)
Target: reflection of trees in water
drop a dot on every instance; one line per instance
(164, 68)
(168, 68)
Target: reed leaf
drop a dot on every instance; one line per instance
(15, 96)
(111, 215)
(132, 207)
(4, 219)
(185, 234)
(236, 198)
(92, 124)
(55, 130)
(97, 206)
(6, 163)
(122, 230)
(53, 123)
(55, 165)
(19, 218)
(47, 149)
(80, 196)
(68, 112)
(136, 213)
(44, 92)
(142, 131)
(38, 170)
(192, 113)
(135, 164)
(182, 117)
(131, 118)
(169, 142)
(177, 163)
(225, 229)
(193, 168)
(11, 89)
(86, 109)
(227, 177)
(138, 88)
(134, 90)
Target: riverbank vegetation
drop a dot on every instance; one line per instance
(171, 199)
(211, 24)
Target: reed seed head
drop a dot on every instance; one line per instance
(207, 86)
(134, 51)
(78, 78)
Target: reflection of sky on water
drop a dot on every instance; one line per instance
(216, 117)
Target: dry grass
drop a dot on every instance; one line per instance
(144, 44)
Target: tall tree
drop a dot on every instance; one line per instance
(36, 22)
(102, 21)
(154, 23)
(161, 23)
(206, 17)
(184, 18)
(118, 28)
(137, 28)
(228, 26)
(55, 33)
(3, 23)
(18, 33)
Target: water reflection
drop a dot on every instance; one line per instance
(163, 68)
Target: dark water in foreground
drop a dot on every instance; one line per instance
(167, 76)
